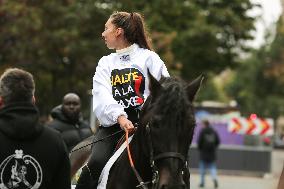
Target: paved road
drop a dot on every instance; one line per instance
(268, 181)
(236, 182)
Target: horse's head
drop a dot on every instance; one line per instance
(169, 122)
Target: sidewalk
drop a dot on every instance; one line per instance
(269, 181)
(235, 182)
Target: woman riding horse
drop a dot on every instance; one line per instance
(160, 145)
(120, 86)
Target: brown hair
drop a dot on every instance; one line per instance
(133, 26)
(16, 85)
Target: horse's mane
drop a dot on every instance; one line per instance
(173, 101)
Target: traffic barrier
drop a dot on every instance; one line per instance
(249, 126)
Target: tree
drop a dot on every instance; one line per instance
(254, 90)
(214, 38)
(59, 41)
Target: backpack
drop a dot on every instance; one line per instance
(209, 141)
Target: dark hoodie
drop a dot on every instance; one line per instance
(71, 132)
(31, 156)
(208, 152)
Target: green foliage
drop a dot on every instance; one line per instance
(256, 91)
(59, 41)
(210, 90)
(214, 37)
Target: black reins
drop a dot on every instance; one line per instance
(169, 155)
(98, 140)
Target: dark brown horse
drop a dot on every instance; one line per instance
(160, 144)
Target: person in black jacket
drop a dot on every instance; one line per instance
(208, 142)
(67, 119)
(31, 156)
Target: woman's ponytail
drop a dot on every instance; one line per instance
(134, 28)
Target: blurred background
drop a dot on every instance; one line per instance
(237, 44)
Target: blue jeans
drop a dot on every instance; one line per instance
(202, 170)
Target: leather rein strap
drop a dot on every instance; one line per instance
(169, 155)
(141, 182)
(153, 158)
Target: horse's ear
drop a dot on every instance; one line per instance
(193, 87)
(154, 85)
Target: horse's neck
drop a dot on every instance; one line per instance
(140, 153)
(120, 168)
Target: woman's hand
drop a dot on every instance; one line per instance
(124, 123)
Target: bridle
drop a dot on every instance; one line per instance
(153, 160)
(164, 155)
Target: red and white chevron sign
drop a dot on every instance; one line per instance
(248, 126)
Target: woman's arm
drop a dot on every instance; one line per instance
(106, 108)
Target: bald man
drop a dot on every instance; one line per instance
(68, 120)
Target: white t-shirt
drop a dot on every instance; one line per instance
(121, 82)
